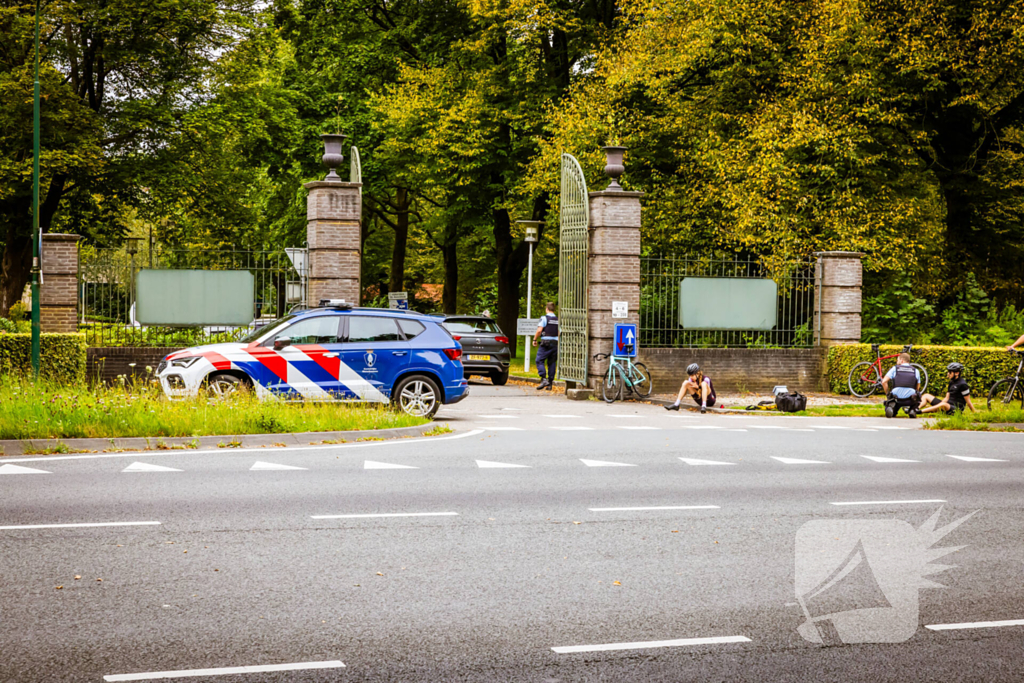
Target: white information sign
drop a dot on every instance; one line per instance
(620, 309)
(398, 301)
(526, 327)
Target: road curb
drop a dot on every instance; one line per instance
(226, 441)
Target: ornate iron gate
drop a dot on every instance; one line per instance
(573, 219)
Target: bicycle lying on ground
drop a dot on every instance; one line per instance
(624, 376)
(866, 376)
(1007, 390)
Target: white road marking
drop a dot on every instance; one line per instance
(564, 417)
(657, 507)
(498, 417)
(18, 469)
(636, 427)
(971, 459)
(81, 524)
(504, 429)
(878, 458)
(605, 463)
(698, 461)
(975, 624)
(234, 451)
(186, 673)
(267, 466)
(387, 514)
(148, 467)
(374, 465)
(889, 502)
(574, 429)
(798, 461)
(651, 643)
(487, 464)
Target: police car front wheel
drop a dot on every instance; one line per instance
(418, 395)
(223, 385)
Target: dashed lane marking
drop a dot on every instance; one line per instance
(148, 467)
(374, 465)
(888, 502)
(224, 671)
(798, 461)
(975, 624)
(605, 463)
(657, 507)
(260, 466)
(698, 461)
(77, 525)
(967, 458)
(18, 469)
(681, 642)
(487, 464)
(878, 458)
(387, 514)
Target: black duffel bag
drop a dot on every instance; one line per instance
(791, 402)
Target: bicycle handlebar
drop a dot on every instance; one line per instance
(601, 356)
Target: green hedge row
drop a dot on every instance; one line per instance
(62, 356)
(984, 364)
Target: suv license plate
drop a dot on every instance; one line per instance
(478, 357)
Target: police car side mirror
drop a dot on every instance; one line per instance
(282, 342)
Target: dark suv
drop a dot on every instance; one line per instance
(485, 351)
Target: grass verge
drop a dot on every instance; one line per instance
(44, 411)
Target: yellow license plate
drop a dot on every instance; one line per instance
(478, 357)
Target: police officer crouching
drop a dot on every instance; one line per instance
(547, 355)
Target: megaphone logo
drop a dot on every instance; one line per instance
(857, 580)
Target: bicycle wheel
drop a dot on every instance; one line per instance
(924, 375)
(611, 390)
(864, 379)
(641, 379)
(1005, 391)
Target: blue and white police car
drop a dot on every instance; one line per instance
(334, 353)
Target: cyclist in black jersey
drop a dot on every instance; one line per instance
(958, 394)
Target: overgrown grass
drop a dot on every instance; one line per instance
(983, 420)
(41, 411)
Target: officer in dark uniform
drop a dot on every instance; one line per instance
(547, 355)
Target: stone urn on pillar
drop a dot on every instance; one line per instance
(613, 166)
(333, 157)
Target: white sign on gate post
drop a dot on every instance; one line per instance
(526, 327)
(620, 309)
(398, 301)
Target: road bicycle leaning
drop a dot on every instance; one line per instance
(866, 376)
(1010, 389)
(624, 376)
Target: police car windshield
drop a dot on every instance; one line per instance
(471, 327)
(262, 332)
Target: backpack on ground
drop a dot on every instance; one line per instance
(791, 402)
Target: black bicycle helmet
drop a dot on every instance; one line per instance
(692, 369)
(955, 367)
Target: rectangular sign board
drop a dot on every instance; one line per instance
(526, 327)
(620, 309)
(398, 301)
(625, 342)
(728, 303)
(190, 298)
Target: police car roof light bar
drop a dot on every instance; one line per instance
(334, 303)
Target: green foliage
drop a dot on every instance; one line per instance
(984, 365)
(62, 357)
(19, 312)
(897, 313)
(50, 410)
(8, 326)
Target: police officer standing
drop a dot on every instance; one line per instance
(547, 355)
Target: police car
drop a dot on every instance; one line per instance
(334, 353)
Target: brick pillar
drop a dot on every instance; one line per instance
(613, 270)
(333, 212)
(837, 303)
(58, 294)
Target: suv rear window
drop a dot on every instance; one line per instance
(411, 328)
(472, 327)
(365, 329)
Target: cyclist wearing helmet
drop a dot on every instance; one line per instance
(958, 394)
(698, 387)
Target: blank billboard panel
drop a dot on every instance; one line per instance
(727, 303)
(187, 298)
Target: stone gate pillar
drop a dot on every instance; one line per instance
(58, 293)
(333, 213)
(837, 301)
(613, 269)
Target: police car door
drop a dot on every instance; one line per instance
(376, 353)
(302, 359)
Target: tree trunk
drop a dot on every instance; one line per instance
(402, 203)
(15, 269)
(450, 250)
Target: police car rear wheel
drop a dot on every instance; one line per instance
(418, 395)
(223, 385)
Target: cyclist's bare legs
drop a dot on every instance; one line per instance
(689, 388)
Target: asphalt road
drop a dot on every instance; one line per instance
(254, 568)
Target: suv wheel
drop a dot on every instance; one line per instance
(417, 395)
(499, 378)
(222, 385)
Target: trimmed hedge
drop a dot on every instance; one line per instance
(984, 364)
(62, 356)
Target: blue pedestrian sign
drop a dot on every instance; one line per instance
(625, 341)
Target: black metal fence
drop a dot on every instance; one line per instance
(660, 279)
(106, 291)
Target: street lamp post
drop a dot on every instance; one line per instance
(36, 237)
(531, 228)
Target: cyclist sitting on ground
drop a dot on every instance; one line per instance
(698, 387)
(906, 383)
(958, 395)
